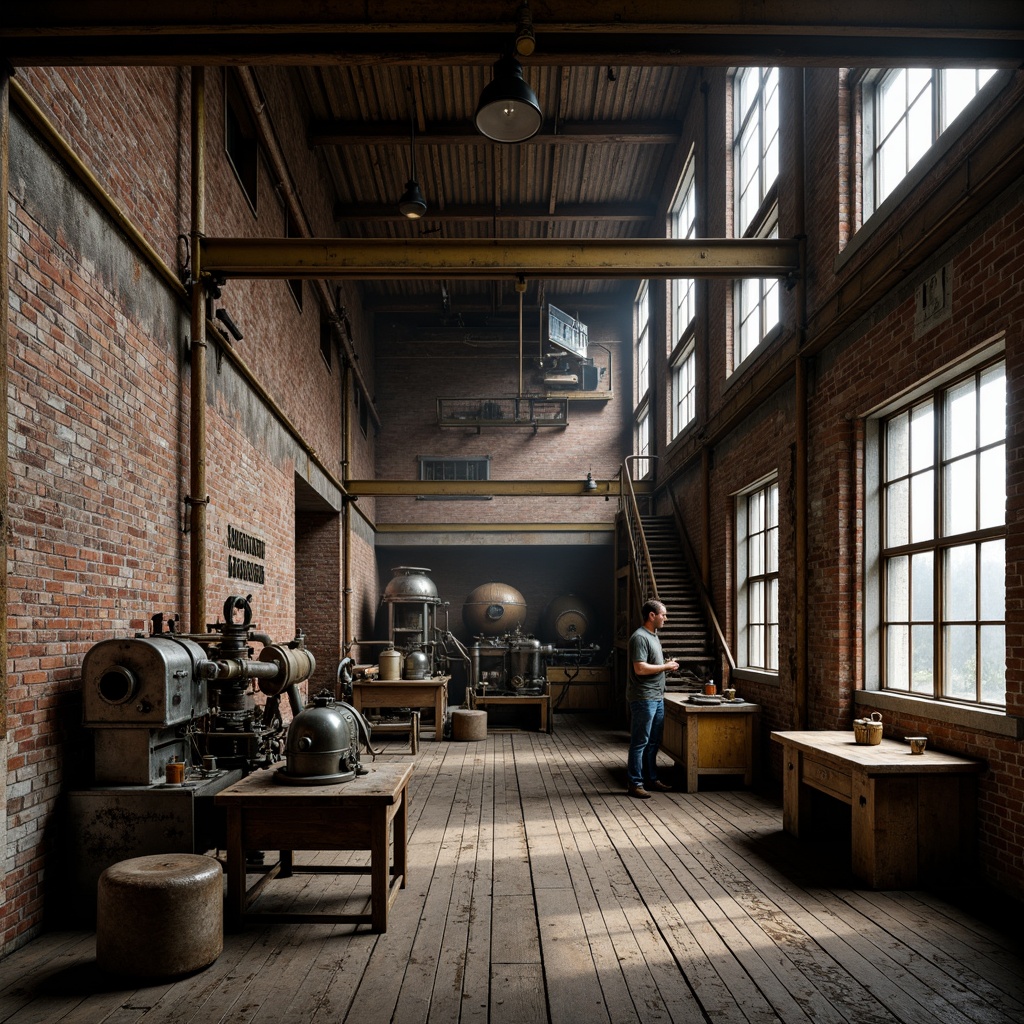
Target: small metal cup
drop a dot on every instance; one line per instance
(917, 744)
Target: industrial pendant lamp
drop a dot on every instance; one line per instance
(412, 204)
(508, 110)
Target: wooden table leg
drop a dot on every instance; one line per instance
(401, 832)
(692, 753)
(380, 875)
(236, 865)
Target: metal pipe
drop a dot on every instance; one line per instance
(35, 116)
(198, 499)
(5, 275)
(296, 214)
(800, 483)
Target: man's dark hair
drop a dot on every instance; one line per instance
(651, 606)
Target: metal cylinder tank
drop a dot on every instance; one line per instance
(568, 618)
(494, 608)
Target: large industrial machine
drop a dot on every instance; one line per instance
(175, 719)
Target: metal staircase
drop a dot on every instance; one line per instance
(686, 636)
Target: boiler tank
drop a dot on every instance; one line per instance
(494, 608)
(568, 618)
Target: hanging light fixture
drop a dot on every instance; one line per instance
(412, 204)
(508, 110)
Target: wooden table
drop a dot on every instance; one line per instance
(540, 701)
(405, 693)
(267, 815)
(912, 815)
(710, 739)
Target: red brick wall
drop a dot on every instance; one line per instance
(99, 418)
(872, 363)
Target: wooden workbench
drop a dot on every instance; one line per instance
(710, 739)
(405, 693)
(912, 815)
(267, 815)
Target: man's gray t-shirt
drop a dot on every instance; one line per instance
(645, 646)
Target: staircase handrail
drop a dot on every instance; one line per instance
(705, 597)
(640, 556)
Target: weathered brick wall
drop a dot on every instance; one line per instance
(99, 420)
(418, 372)
(879, 357)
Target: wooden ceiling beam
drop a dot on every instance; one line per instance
(708, 32)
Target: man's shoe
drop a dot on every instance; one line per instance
(639, 792)
(659, 787)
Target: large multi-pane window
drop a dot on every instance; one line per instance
(642, 371)
(757, 309)
(905, 111)
(684, 389)
(757, 577)
(755, 142)
(755, 170)
(642, 347)
(683, 224)
(943, 527)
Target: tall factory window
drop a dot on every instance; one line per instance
(294, 284)
(905, 110)
(941, 494)
(757, 577)
(683, 224)
(642, 346)
(326, 342)
(240, 142)
(755, 150)
(684, 388)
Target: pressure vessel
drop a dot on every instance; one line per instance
(494, 608)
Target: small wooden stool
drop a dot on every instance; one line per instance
(412, 727)
(469, 725)
(160, 916)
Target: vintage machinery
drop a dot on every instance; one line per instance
(508, 664)
(184, 700)
(569, 619)
(323, 744)
(418, 645)
(182, 697)
(493, 609)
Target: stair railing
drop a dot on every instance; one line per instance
(705, 597)
(639, 555)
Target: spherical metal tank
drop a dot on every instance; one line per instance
(410, 583)
(568, 618)
(494, 608)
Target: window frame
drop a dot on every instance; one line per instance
(684, 387)
(758, 586)
(929, 548)
(870, 84)
(683, 224)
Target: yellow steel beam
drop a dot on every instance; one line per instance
(488, 259)
(476, 488)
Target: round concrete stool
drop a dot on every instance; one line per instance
(469, 725)
(160, 916)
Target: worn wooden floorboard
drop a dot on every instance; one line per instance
(539, 893)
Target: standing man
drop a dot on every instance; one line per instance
(645, 691)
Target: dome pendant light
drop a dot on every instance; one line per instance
(412, 204)
(508, 110)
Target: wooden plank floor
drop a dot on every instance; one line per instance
(539, 892)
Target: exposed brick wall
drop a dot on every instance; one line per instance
(873, 362)
(99, 419)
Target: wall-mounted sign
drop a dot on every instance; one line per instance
(243, 568)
